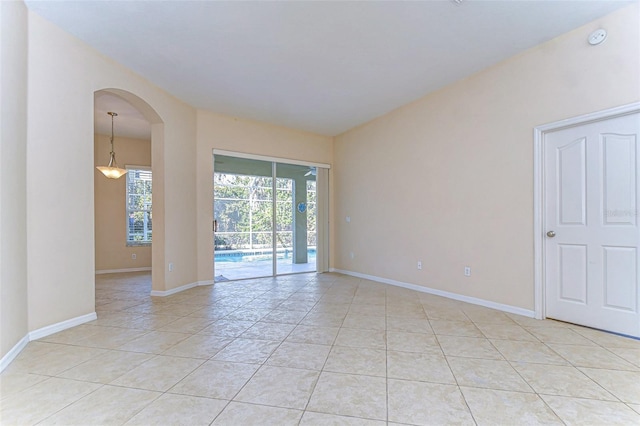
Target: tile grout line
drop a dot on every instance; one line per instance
(293, 288)
(386, 353)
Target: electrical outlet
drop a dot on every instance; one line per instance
(170, 266)
(419, 265)
(133, 256)
(467, 271)
(351, 255)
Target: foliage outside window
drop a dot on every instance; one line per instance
(244, 212)
(311, 213)
(139, 205)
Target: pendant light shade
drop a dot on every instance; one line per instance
(112, 171)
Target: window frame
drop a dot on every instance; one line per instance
(131, 168)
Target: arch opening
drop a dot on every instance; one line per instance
(128, 212)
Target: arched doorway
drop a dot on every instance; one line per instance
(124, 216)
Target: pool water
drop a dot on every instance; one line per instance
(259, 256)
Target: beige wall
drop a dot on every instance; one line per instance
(448, 180)
(63, 75)
(13, 138)
(112, 252)
(216, 131)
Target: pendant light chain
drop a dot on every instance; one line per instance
(112, 171)
(112, 154)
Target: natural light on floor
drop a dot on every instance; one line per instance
(314, 349)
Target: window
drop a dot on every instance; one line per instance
(138, 205)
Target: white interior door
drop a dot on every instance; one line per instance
(591, 255)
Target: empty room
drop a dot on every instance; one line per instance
(319, 212)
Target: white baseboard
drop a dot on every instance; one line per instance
(116, 271)
(160, 293)
(165, 293)
(43, 332)
(13, 353)
(60, 326)
(468, 299)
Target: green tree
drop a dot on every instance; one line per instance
(244, 211)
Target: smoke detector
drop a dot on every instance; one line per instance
(597, 37)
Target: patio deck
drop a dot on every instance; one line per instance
(262, 268)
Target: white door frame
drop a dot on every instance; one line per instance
(539, 206)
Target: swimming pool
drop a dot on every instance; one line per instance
(258, 255)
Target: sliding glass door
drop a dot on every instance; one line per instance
(295, 219)
(243, 213)
(264, 218)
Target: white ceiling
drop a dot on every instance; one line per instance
(324, 66)
(129, 123)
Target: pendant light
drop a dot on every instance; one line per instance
(112, 171)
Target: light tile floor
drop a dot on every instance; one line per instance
(316, 350)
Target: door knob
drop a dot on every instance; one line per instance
(551, 234)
